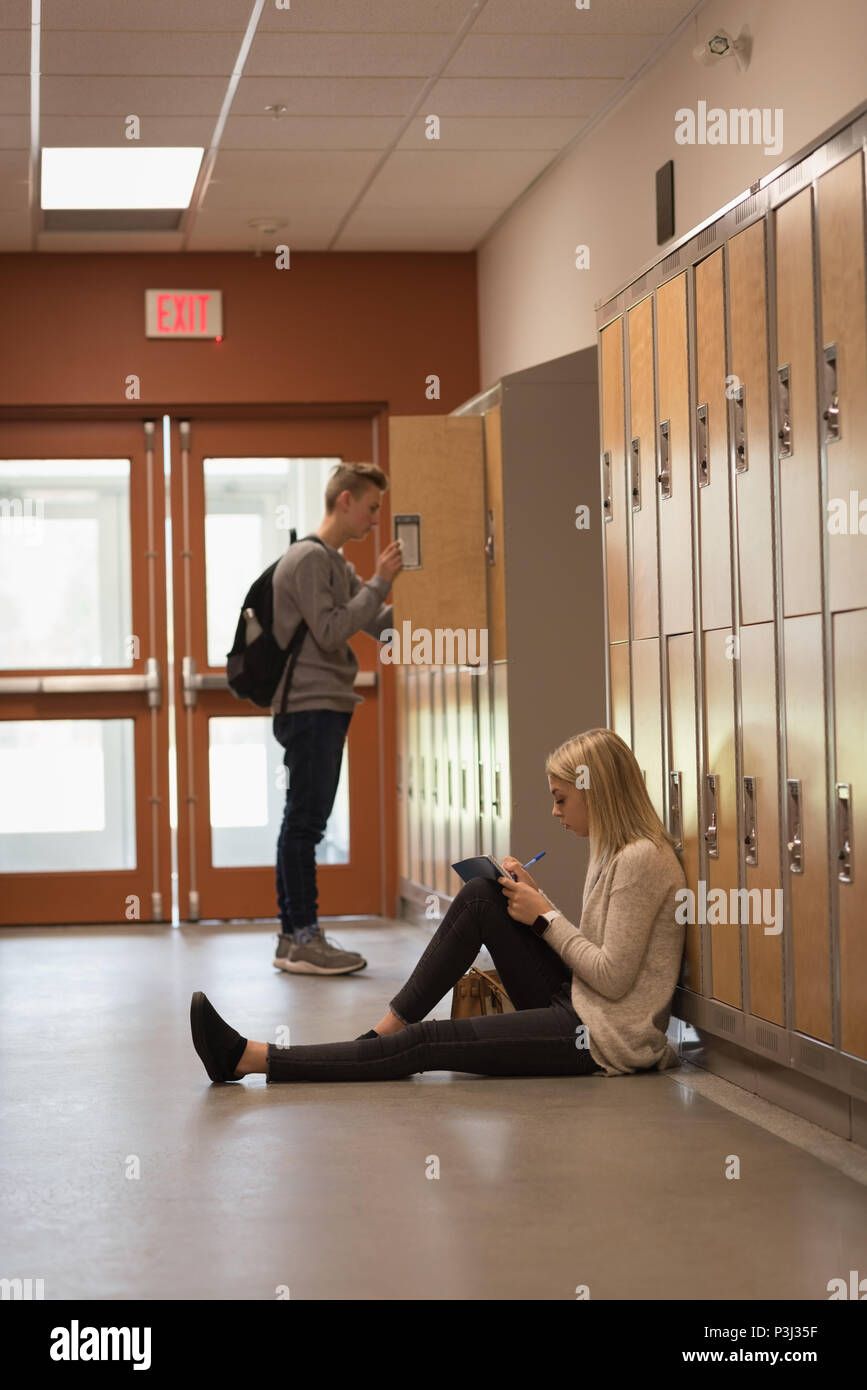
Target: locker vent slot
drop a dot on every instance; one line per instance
(765, 1038)
(637, 288)
(725, 1022)
(670, 262)
(707, 236)
(791, 178)
(746, 208)
(841, 144)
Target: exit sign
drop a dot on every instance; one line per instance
(183, 314)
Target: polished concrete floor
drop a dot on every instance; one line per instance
(126, 1174)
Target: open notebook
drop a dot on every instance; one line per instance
(483, 866)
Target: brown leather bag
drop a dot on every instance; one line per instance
(478, 993)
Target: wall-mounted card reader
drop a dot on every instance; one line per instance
(408, 530)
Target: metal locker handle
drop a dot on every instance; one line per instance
(663, 477)
(793, 826)
(674, 780)
(409, 778)
(496, 801)
(636, 475)
(751, 839)
(845, 872)
(463, 786)
(784, 411)
(606, 486)
(739, 407)
(831, 413)
(711, 834)
(451, 798)
(435, 787)
(490, 549)
(703, 450)
(421, 785)
(481, 789)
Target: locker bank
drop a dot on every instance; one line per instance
(582, 287)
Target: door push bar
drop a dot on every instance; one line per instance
(150, 683)
(194, 681)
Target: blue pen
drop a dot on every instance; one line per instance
(532, 861)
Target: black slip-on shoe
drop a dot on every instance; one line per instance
(218, 1045)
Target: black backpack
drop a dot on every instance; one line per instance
(256, 662)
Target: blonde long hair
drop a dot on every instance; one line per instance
(619, 809)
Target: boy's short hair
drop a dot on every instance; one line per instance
(355, 478)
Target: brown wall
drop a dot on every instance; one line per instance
(366, 327)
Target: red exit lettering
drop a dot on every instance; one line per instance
(182, 313)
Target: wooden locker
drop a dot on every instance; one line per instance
(647, 716)
(621, 705)
(760, 820)
(750, 422)
(683, 784)
(673, 479)
(849, 822)
(485, 759)
(495, 573)
(844, 379)
(719, 810)
(452, 755)
(806, 810)
(712, 446)
(439, 753)
(402, 772)
(425, 776)
(436, 471)
(614, 491)
(797, 433)
(502, 790)
(412, 787)
(641, 472)
(468, 771)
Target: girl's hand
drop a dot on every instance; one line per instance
(514, 866)
(524, 902)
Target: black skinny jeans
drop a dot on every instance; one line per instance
(539, 1039)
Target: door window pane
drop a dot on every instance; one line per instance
(247, 782)
(250, 506)
(65, 586)
(68, 795)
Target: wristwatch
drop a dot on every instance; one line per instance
(542, 922)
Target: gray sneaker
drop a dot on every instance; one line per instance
(319, 956)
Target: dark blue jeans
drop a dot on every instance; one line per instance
(539, 1039)
(313, 752)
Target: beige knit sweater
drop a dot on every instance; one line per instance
(625, 957)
